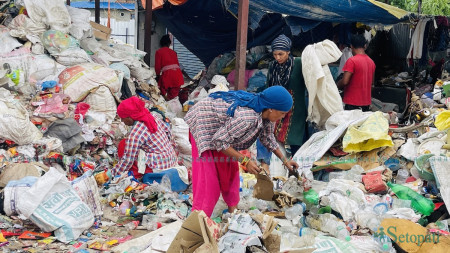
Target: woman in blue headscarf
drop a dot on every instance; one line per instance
(221, 125)
(286, 71)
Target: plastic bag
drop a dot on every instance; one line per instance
(56, 42)
(50, 203)
(174, 106)
(372, 134)
(7, 42)
(442, 121)
(180, 133)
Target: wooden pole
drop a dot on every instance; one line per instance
(148, 31)
(241, 44)
(97, 11)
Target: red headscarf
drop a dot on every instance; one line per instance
(135, 108)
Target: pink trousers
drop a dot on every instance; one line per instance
(213, 173)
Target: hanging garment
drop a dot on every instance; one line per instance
(324, 99)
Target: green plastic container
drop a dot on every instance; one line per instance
(446, 90)
(420, 163)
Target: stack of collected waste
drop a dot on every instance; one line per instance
(59, 135)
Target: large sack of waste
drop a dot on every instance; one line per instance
(15, 124)
(50, 203)
(80, 80)
(50, 12)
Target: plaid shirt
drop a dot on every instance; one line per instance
(159, 147)
(213, 129)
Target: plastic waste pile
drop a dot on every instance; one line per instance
(59, 135)
(366, 183)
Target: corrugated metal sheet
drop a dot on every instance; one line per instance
(400, 40)
(192, 65)
(121, 30)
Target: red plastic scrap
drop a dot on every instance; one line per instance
(29, 235)
(373, 182)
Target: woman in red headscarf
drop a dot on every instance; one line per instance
(149, 134)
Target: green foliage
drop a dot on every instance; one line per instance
(432, 7)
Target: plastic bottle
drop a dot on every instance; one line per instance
(294, 211)
(402, 175)
(166, 184)
(418, 202)
(330, 224)
(384, 242)
(290, 230)
(241, 183)
(309, 231)
(401, 203)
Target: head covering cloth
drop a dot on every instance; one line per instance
(275, 97)
(135, 109)
(279, 74)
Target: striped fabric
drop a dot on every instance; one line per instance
(159, 147)
(282, 42)
(213, 129)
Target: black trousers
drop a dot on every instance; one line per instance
(356, 107)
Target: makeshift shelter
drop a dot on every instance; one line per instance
(208, 28)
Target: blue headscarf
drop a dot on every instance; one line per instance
(281, 42)
(275, 97)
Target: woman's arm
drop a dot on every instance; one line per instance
(234, 154)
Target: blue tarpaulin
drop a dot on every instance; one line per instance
(208, 27)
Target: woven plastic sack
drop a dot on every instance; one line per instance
(87, 189)
(371, 134)
(50, 203)
(78, 81)
(15, 124)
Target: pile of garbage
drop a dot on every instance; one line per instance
(59, 89)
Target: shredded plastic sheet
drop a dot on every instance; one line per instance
(372, 134)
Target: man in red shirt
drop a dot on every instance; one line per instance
(358, 76)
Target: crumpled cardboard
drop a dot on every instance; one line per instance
(198, 234)
(284, 199)
(263, 188)
(407, 234)
(368, 160)
(266, 223)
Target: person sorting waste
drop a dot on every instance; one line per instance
(222, 124)
(286, 70)
(168, 69)
(152, 136)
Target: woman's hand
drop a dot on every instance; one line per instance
(253, 168)
(291, 164)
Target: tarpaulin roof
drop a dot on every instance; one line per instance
(103, 5)
(208, 27)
